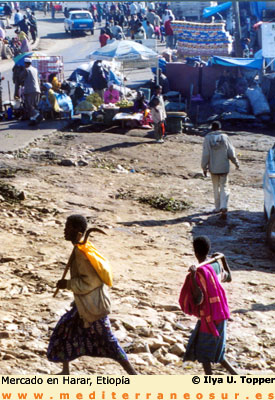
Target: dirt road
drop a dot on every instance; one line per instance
(111, 180)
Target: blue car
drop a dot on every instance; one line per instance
(269, 197)
(79, 21)
(2, 5)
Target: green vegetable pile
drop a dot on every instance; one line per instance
(164, 203)
(124, 103)
(95, 99)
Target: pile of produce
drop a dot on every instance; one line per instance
(85, 106)
(124, 103)
(91, 103)
(95, 99)
(164, 203)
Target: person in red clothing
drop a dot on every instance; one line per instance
(103, 38)
(169, 33)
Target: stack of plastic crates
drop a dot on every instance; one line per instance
(47, 65)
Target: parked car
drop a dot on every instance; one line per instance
(2, 5)
(79, 21)
(269, 197)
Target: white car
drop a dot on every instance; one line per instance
(269, 196)
(79, 21)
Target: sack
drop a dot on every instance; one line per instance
(96, 304)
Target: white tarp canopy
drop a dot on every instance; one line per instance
(125, 51)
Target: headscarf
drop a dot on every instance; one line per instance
(22, 36)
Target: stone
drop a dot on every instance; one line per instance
(131, 322)
(149, 359)
(170, 359)
(156, 343)
(160, 354)
(144, 331)
(169, 339)
(4, 335)
(42, 154)
(141, 347)
(170, 307)
(67, 163)
(137, 360)
(170, 317)
(121, 335)
(167, 327)
(12, 327)
(82, 163)
(177, 349)
(179, 326)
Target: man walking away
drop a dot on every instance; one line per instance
(217, 151)
(31, 89)
(33, 26)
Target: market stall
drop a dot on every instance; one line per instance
(130, 55)
(204, 39)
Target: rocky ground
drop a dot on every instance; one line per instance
(114, 180)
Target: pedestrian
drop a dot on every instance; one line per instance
(45, 8)
(25, 46)
(169, 33)
(17, 17)
(53, 11)
(116, 30)
(140, 33)
(33, 26)
(158, 118)
(217, 152)
(2, 44)
(31, 89)
(103, 38)
(133, 26)
(7, 13)
(203, 296)
(162, 81)
(85, 330)
(150, 31)
(133, 9)
(23, 25)
(98, 78)
(158, 94)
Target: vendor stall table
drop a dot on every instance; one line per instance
(124, 117)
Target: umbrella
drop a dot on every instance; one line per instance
(125, 51)
(19, 60)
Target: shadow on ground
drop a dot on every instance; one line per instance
(241, 237)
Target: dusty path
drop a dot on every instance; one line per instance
(150, 249)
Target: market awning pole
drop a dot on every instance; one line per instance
(156, 49)
(237, 32)
(9, 90)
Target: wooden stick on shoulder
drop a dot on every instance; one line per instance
(71, 256)
(219, 257)
(65, 272)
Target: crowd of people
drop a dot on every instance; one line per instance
(136, 21)
(25, 29)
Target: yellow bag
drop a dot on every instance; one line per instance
(99, 263)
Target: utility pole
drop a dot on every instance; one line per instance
(237, 32)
